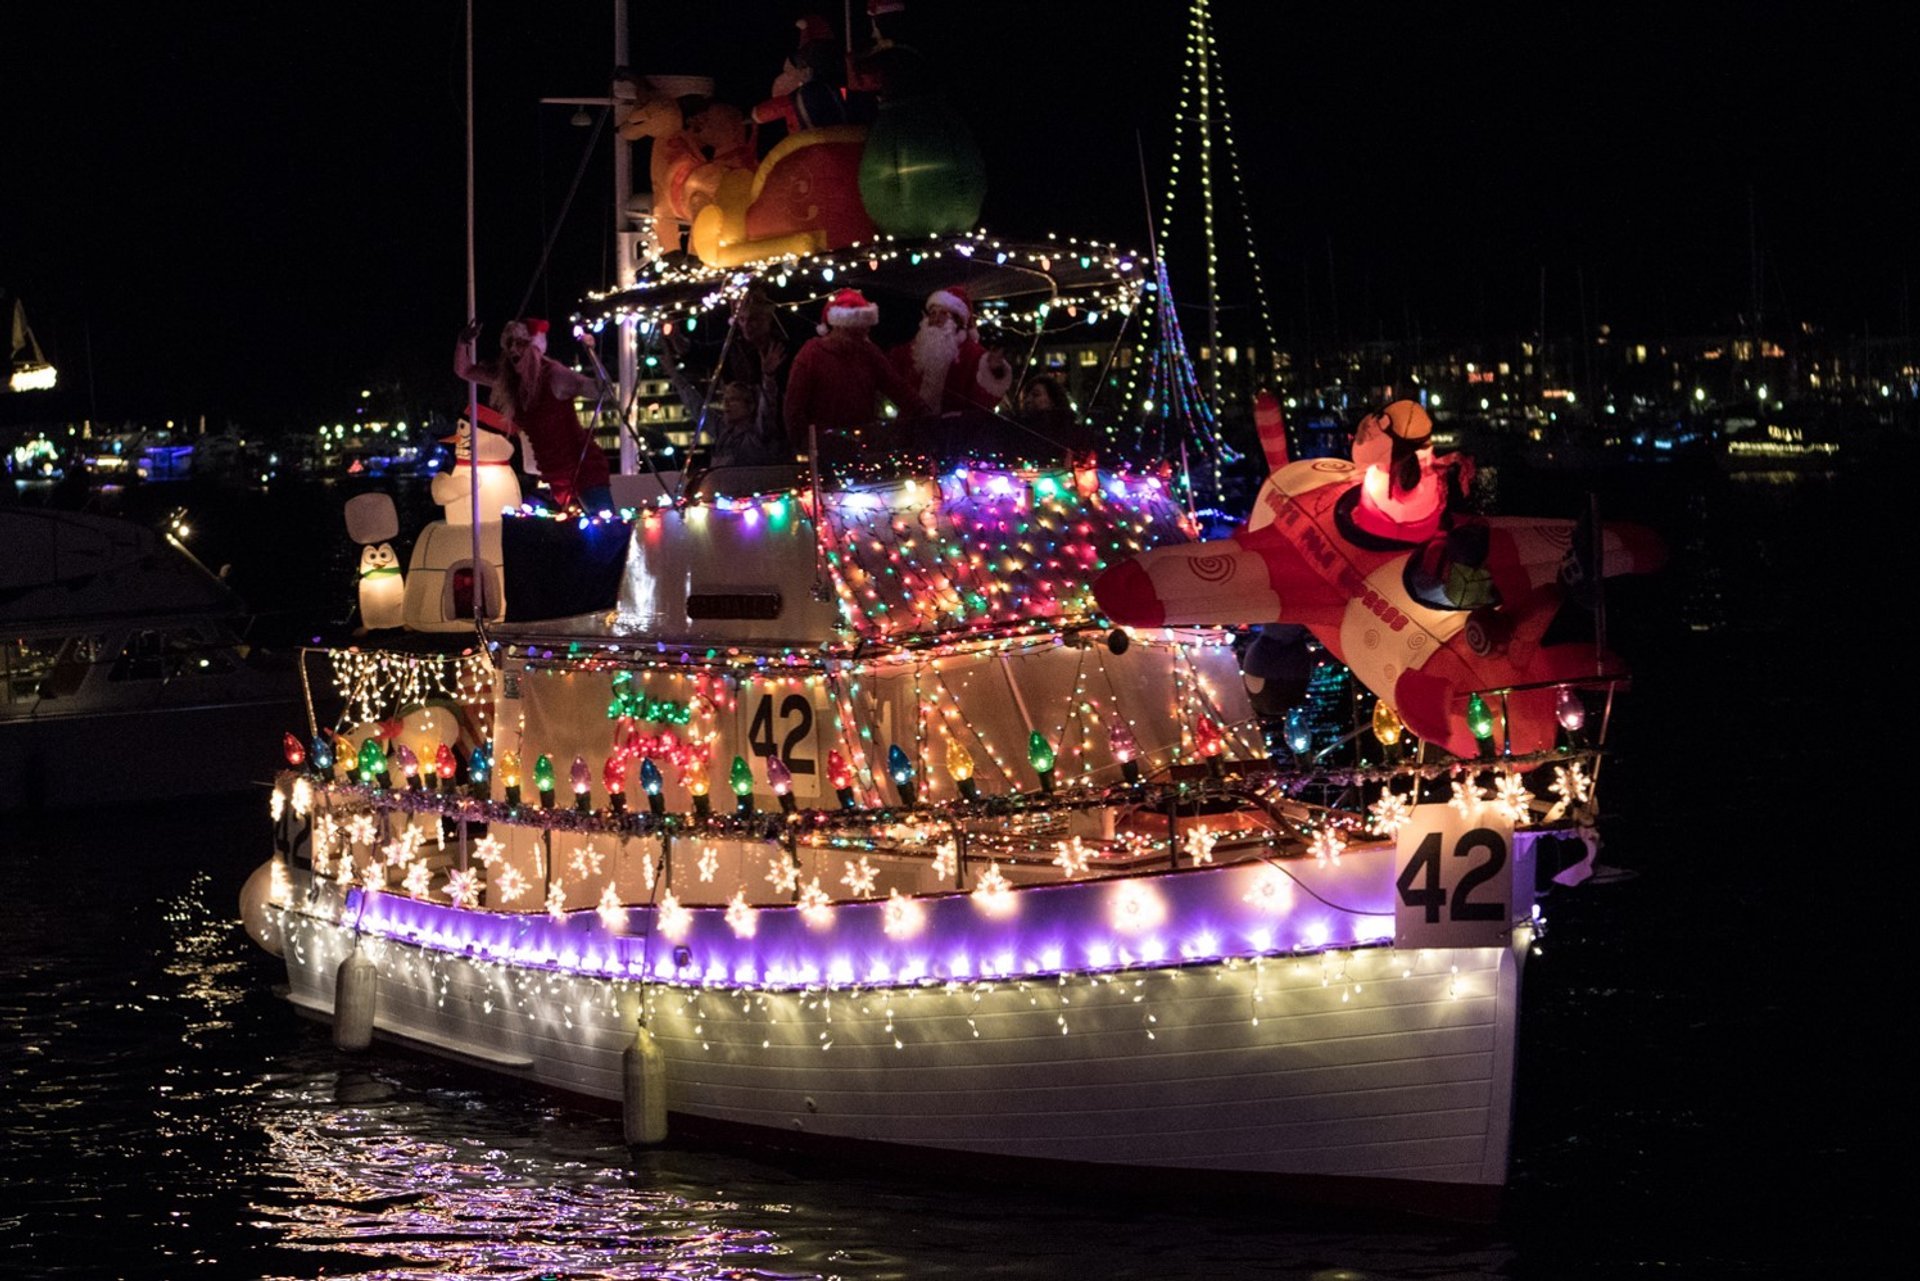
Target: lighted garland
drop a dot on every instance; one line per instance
(374, 684)
(1087, 280)
(1251, 784)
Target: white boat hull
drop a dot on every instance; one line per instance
(1363, 1073)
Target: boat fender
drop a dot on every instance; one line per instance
(644, 1077)
(254, 897)
(355, 985)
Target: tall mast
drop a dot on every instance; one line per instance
(473, 389)
(624, 238)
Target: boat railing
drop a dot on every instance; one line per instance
(1242, 809)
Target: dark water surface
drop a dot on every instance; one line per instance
(1710, 1060)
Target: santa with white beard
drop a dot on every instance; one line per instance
(946, 363)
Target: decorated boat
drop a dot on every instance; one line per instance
(912, 800)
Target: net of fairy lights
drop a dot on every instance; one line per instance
(376, 684)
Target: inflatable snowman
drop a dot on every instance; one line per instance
(492, 470)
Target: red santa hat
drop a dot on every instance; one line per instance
(534, 331)
(813, 28)
(848, 307)
(954, 299)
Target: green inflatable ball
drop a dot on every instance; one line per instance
(921, 173)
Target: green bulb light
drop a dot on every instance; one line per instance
(1479, 719)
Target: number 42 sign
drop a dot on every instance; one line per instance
(1455, 881)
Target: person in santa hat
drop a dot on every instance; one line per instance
(837, 379)
(534, 395)
(946, 362)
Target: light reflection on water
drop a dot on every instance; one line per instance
(390, 1181)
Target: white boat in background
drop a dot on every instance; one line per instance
(993, 881)
(126, 673)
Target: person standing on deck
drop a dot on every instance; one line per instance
(534, 394)
(946, 361)
(837, 378)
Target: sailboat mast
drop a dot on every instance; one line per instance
(1203, 57)
(626, 338)
(474, 561)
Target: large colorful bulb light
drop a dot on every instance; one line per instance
(654, 786)
(1040, 756)
(543, 780)
(614, 778)
(960, 767)
(900, 770)
(780, 778)
(1480, 721)
(840, 774)
(740, 778)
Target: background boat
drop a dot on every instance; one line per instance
(126, 669)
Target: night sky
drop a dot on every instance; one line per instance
(253, 211)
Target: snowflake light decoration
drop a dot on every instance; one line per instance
(362, 830)
(674, 919)
(488, 849)
(1072, 858)
(511, 883)
(992, 888)
(324, 834)
(276, 804)
(586, 862)
(946, 859)
(302, 797)
(1466, 797)
(1511, 797)
(419, 878)
(814, 903)
(463, 887)
(613, 913)
(374, 875)
(902, 917)
(1571, 784)
(781, 873)
(1200, 842)
(1272, 892)
(859, 877)
(557, 900)
(742, 916)
(1328, 845)
(709, 863)
(1389, 814)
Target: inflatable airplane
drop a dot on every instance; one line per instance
(1425, 610)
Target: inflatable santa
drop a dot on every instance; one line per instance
(946, 363)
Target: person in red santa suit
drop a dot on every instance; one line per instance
(834, 386)
(946, 363)
(535, 396)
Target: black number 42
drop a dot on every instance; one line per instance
(760, 732)
(1424, 866)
